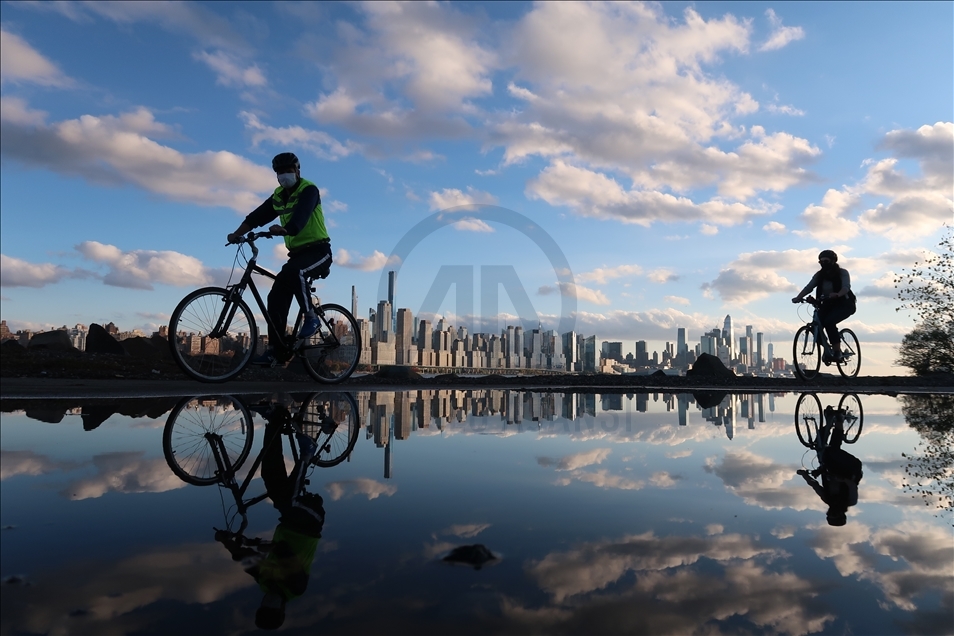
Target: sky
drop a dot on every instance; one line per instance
(640, 167)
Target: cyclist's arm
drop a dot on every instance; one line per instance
(261, 215)
(845, 283)
(808, 288)
(307, 201)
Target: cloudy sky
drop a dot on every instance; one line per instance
(688, 161)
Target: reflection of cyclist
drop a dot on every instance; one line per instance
(283, 572)
(296, 202)
(833, 291)
(840, 470)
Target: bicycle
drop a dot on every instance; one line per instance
(813, 431)
(213, 333)
(810, 344)
(206, 439)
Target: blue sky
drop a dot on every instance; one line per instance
(688, 160)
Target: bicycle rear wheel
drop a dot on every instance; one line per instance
(331, 355)
(854, 416)
(806, 353)
(332, 420)
(198, 354)
(850, 353)
(187, 448)
(808, 414)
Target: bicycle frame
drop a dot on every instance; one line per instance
(237, 290)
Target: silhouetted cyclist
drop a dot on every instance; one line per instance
(281, 567)
(840, 471)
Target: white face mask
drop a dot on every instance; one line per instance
(287, 179)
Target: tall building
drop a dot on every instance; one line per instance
(406, 353)
(642, 354)
(382, 323)
(759, 361)
(392, 283)
(354, 302)
(613, 351)
(590, 363)
(729, 336)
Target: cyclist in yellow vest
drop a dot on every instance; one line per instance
(296, 202)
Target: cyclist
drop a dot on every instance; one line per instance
(836, 301)
(296, 202)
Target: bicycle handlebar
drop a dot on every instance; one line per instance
(251, 237)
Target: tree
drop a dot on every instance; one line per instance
(927, 290)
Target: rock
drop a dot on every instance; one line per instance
(12, 348)
(94, 415)
(395, 372)
(48, 415)
(709, 366)
(659, 373)
(98, 340)
(141, 348)
(52, 340)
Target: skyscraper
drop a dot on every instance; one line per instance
(392, 282)
(729, 336)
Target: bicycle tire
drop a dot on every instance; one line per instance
(808, 414)
(806, 353)
(185, 446)
(332, 364)
(331, 419)
(850, 352)
(194, 318)
(854, 417)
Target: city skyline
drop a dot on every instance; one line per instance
(686, 161)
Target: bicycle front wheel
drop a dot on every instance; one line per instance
(853, 416)
(850, 353)
(331, 355)
(808, 414)
(331, 419)
(186, 439)
(806, 353)
(198, 353)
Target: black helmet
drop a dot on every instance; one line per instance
(829, 254)
(283, 161)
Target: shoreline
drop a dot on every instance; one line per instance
(32, 388)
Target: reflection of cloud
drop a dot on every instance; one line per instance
(784, 532)
(589, 588)
(925, 551)
(466, 530)
(362, 486)
(663, 479)
(111, 597)
(602, 479)
(13, 463)
(759, 481)
(593, 566)
(577, 460)
(124, 472)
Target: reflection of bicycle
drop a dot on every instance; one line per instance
(213, 333)
(810, 346)
(207, 439)
(811, 428)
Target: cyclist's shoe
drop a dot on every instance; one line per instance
(827, 359)
(268, 359)
(310, 327)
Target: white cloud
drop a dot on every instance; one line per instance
(594, 296)
(465, 530)
(139, 269)
(427, 54)
(602, 275)
(910, 207)
(14, 463)
(593, 194)
(451, 198)
(781, 35)
(119, 150)
(318, 142)
(774, 227)
(469, 224)
(229, 71)
(372, 263)
(21, 63)
(663, 479)
(124, 472)
(677, 300)
(662, 275)
(708, 230)
(15, 272)
(785, 110)
(754, 275)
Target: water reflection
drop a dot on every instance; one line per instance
(660, 513)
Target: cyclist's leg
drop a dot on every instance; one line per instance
(829, 316)
(280, 488)
(312, 262)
